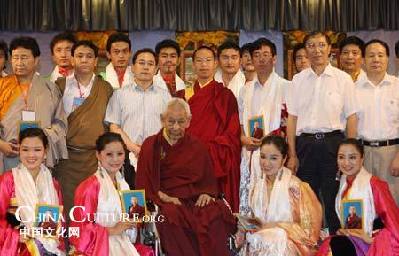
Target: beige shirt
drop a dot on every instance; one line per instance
(321, 103)
(378, 105)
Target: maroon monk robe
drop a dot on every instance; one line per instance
(215, 122)
(184, 170)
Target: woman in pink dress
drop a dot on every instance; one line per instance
(21, 190)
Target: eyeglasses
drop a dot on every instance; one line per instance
(264, 55)
(180, 122)
(144, 63)
(22, 57)
(320, 45)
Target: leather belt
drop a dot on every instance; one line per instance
(380, 143)
(322, 135)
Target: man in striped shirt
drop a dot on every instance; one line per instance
(134, 110)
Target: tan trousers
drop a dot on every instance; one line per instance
(377, 160)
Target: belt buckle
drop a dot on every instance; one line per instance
(319, 136)
(374, 143)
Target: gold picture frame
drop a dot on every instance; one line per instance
(48, 216)
(352, 214)
(140, 202)
(260, 133)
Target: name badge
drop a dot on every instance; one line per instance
(28, 116)
(77, 101)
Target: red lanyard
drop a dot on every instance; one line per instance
(80, 91)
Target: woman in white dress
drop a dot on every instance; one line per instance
(287, 209)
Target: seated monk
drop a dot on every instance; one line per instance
(175, 170)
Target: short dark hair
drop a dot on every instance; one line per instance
(167, 43)
(65, 36)
(4, 48)
(354, 142)
(228, 45)
(144, 50)
(118, 37)
(33, 133)
(246, 48)
(107, 138)
(397, 49)
(263, 41)
(277, 141)
(351, 40)
(297, 47)
(85, 43)
(204, 47)
(315, 34)
(25, 42)
(376, 41)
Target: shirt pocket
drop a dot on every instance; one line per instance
(391, 106)
(335, 101)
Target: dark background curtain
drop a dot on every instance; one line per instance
(197, 15)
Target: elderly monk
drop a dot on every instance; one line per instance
(176, 172)
(216, 123)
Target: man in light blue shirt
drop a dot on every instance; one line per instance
(134, 110)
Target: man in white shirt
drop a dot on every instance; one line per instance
(350, 57)
(168, 53)
(262, 102)
(321, 104)
(118, 72)
(61, 46)
(229, 73)
(377, 98)
(134, 110)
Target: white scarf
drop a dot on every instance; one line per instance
(158, 80)
(361, 189)
(112, 78)
(236, 83)
(56, 74)
(277, 207)
(109, 210)
(30, 193)
(273, 101)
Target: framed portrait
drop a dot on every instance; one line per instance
(352, 214)
(134, 203)
(187, 72)
(48, 217)
(256, 127)
(23, 125)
